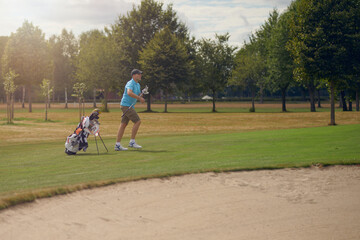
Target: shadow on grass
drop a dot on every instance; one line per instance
(116, 152)
(90, 154)
(150, 151)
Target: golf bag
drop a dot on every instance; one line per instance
(78, 140)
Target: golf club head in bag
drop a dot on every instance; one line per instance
(91, 126)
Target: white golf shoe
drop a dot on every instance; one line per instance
(120, 148)
(134, 145)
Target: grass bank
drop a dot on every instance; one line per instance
(32, 170)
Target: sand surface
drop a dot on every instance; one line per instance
(315, 203)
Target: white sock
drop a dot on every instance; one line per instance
(132, 140)
(117, 143)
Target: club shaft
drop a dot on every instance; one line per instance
(131, 106)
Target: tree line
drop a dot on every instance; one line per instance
(312, 44)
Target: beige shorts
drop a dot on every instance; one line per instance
(129, 115)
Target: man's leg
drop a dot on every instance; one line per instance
(134, 117)
(121, 132)
(135, 129)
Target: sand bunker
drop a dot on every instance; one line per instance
(316, 203)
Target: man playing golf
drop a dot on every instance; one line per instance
(131, 95)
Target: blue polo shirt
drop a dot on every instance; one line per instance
(126, 100)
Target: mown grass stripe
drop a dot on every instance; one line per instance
(30, 171)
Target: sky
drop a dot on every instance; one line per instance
(204, 18)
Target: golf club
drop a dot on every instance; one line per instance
(144, 91)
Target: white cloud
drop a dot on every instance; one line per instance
(238, 17)
(54, 15)
(203, 17)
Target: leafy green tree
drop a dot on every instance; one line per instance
(252, 69)
(86, 70)
(3, 41)
(192, 85)
(139, 26)
(46, 91)
(324, 38)
(216, 65)
(79, 90)
(96, 63)
(166, 62)
(246, 73)
(10, 87)
(301, 76)
(27, 53)
(354, 44)
(259, 42)
(133, 31)
(279, 61)
(64, 50)
(357, 90)
(321, 85)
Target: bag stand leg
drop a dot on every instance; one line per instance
(103, 143)
(96, 145)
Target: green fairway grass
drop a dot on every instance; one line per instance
(28, 171)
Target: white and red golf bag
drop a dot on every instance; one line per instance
(78, 140)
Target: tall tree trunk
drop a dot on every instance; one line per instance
(332, 103)
(343, 101)
(79, 108)
(66, 99)
(350, 105)
(48, 97)
(283, 99)
(46, 108)
(30, 100)
(12, 106)
(8, 108)
(312, 97)
(253, 100)
(319, 100)
(105, 103)
(23, 97)
(166, 98)
(213, 100)
(94, 103)
(148, 103)
(83, 106)
(357, 100)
